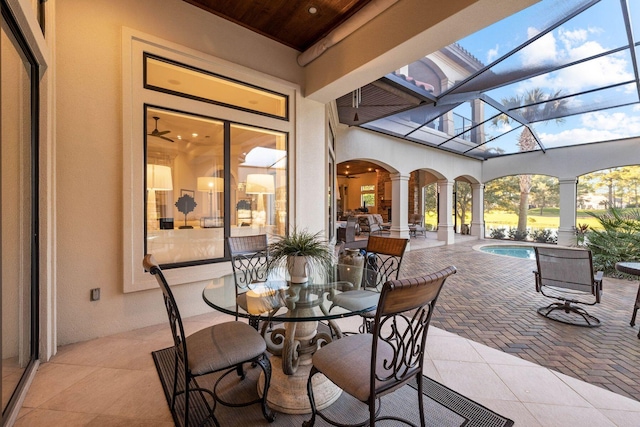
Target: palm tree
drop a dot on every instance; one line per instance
(533, 107)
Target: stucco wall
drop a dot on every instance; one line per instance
(403, 156)
(89, 150)
(567, 162)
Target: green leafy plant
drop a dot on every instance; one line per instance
(619, 239)
(516, 234)
(543, 236)
(319, 253)
(497, 233)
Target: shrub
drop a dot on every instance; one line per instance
(516, 234)
(619, 240)
(543, 236)
(497, 233)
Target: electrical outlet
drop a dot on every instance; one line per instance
(95, 294)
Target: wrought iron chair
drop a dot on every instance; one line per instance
(249, 261)
(368, 366)
(567, 275)
(225, 346)
(383, 261)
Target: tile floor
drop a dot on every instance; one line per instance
(111, 381)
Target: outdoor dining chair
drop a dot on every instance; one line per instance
(368, 366)
(225, 346)
(383, 260)
(249, 261)
(566, 274)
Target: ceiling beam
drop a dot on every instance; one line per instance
(407, 31)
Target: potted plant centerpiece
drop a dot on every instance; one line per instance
(302, 253)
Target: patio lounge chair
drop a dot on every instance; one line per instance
(566, 275)
(416, 225)
(370, 223)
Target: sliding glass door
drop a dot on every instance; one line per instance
(18, 211)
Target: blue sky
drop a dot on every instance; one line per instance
(596, 30)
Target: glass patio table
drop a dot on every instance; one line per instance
(290, 314)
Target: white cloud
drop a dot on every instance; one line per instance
(502, 127)
(619, 122)
(575, 137)
(572, 46)
(492, 54)
(595, 127)
(572, 38)
(541, 51)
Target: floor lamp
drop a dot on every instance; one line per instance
(260, 184)
(158, 179)
(210, 185)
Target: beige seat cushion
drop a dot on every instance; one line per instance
(222, 346)
(346, 362)
(355, 300)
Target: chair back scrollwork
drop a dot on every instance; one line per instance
(384, 259)
(400, 328)
(249, 259)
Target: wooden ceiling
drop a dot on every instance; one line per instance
(290, 22)
(356, 167)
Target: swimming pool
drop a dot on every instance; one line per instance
(517, 251)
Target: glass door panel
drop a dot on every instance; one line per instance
(17, 265)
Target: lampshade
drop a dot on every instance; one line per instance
(159, 178)
(210, 183)
(258, 183)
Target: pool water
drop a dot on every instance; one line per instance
(526, 252)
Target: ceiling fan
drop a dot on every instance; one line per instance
(347, 175)
(160, 134)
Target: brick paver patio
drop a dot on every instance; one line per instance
(492, 300)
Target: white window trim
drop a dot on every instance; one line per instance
(134, 43)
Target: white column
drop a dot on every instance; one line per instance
(399, 205)
(567, 228)
(477, 210)
(445, 211)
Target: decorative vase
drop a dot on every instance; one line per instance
(350, 267)
(298, 267)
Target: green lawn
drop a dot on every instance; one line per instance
(549, 219)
